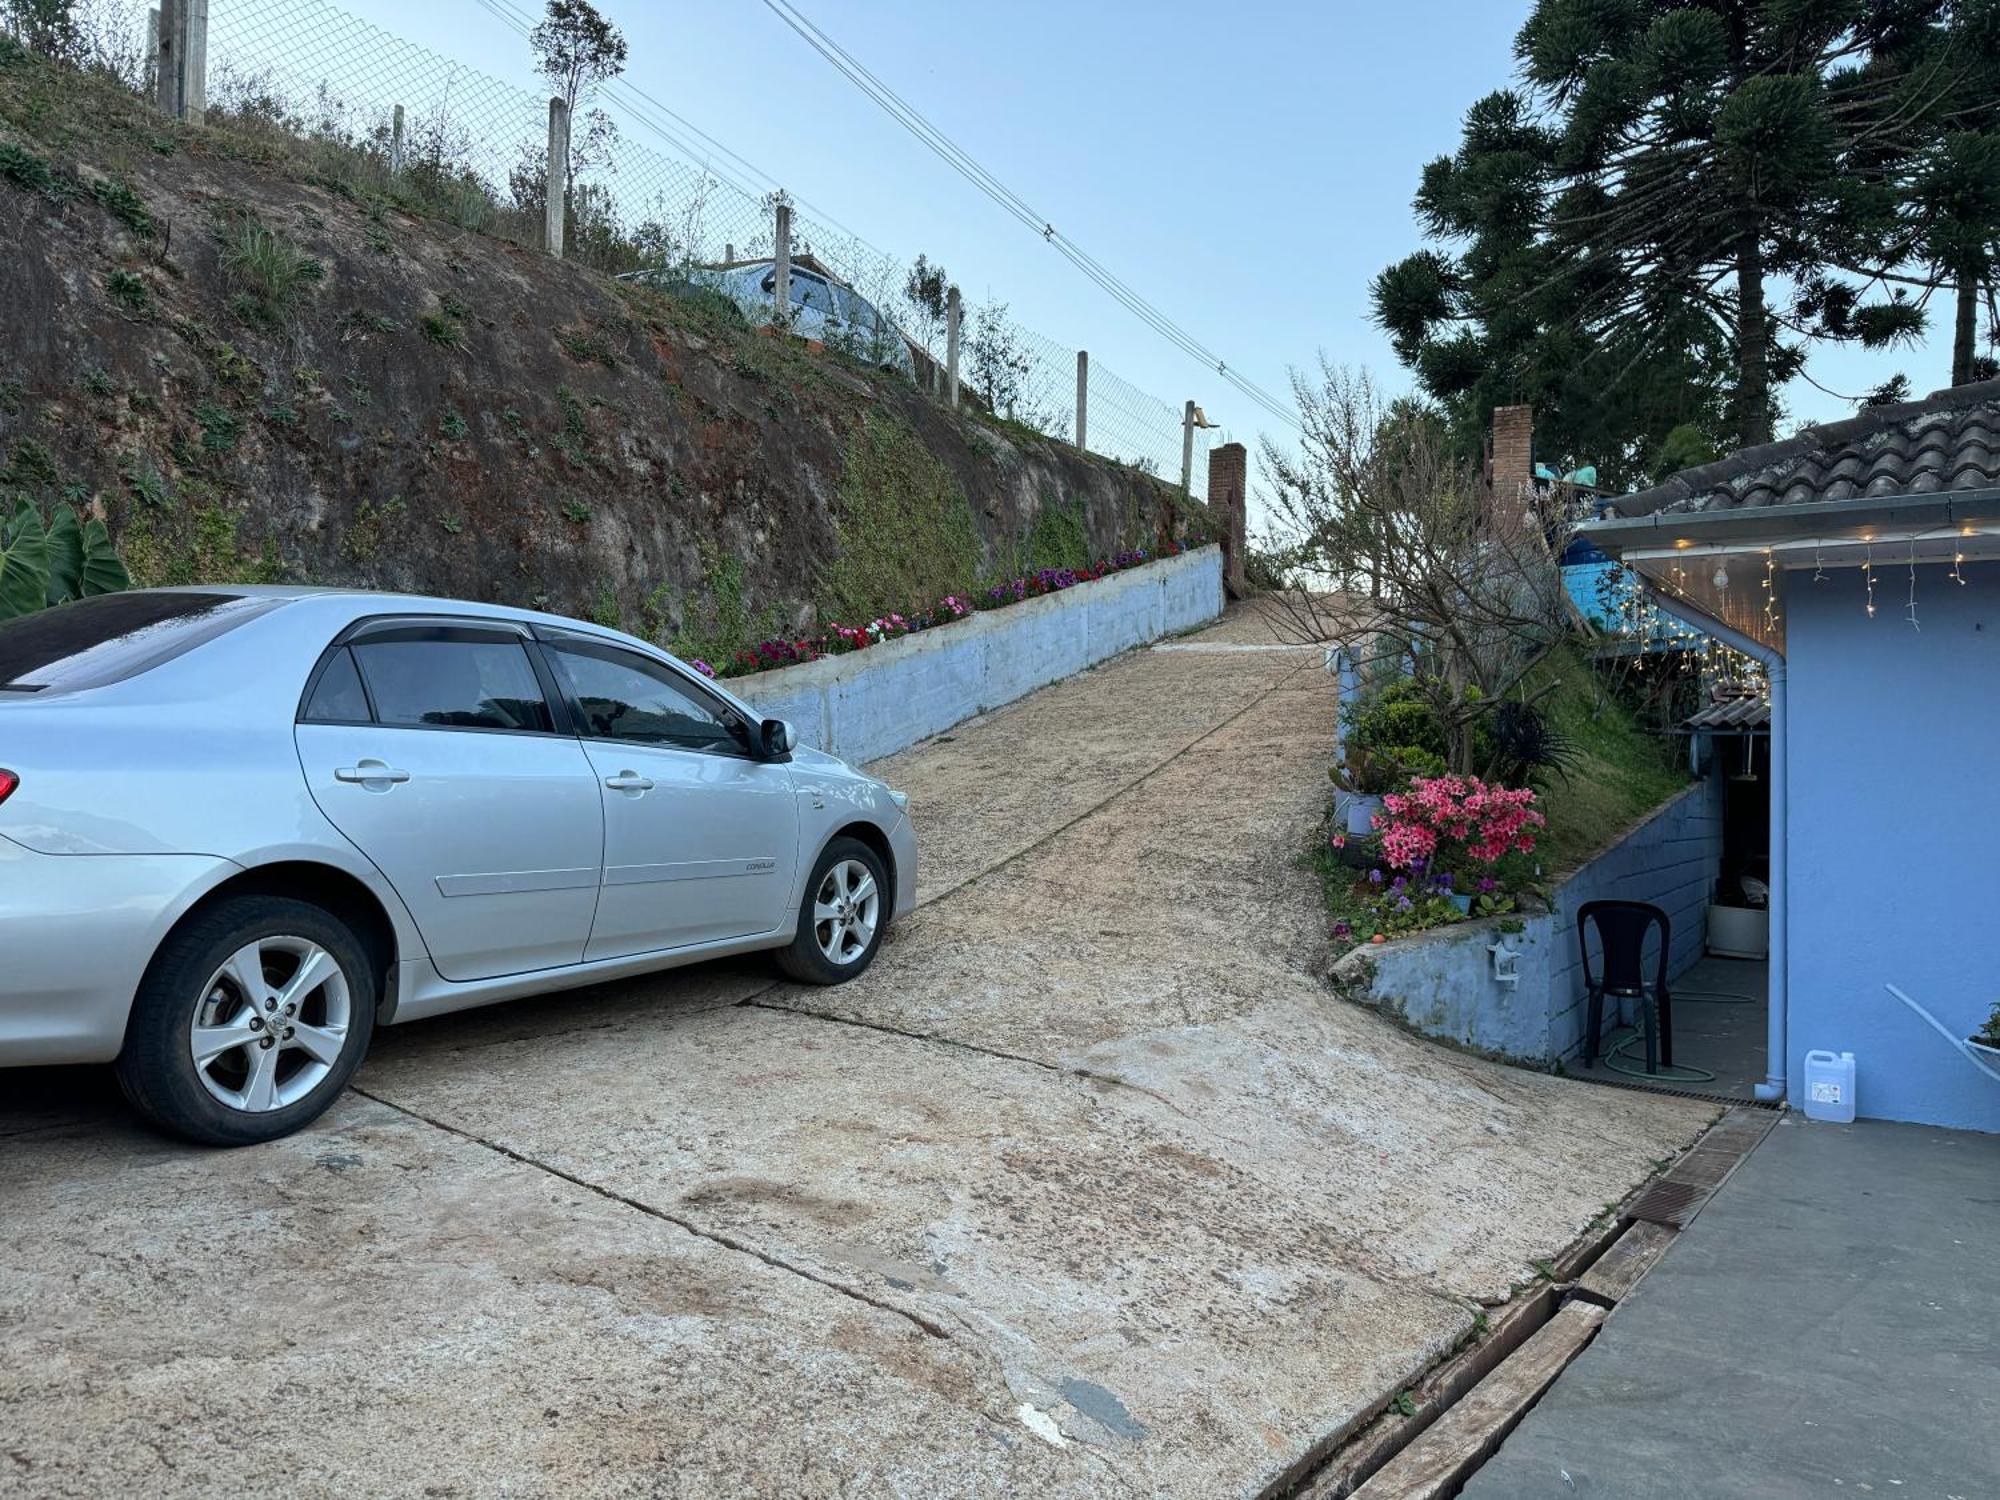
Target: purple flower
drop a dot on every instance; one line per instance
(702, 667)
(1341, 929)
(1402, 903)
(1399, 883)
(1488, 886)
(1374, 877)
(1444, 880)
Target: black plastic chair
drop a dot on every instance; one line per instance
(1622, 927)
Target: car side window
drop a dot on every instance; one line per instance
(445, 683)
(623, 696)
(338, 697)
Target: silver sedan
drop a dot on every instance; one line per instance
(241, 827)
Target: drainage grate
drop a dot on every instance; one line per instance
(1669, 1203)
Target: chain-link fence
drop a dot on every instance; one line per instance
(377, 113)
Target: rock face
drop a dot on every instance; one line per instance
(254, 372)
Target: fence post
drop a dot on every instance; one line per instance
(1187, 450)
(396, 147)
(152, 88)
(729, 255)
(194, 60)
(556, 185)
(1082, 397)
(167, 67)
(781, 277)
(953, 313)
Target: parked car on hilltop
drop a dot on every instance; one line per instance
(241, 826)
(823, 306)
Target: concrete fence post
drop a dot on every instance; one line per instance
(954, 315)
(194, 60)
(729, 255)
(397, 148)
(556, 188)
(1082, 397)
(1187, 449)
(167, 60)
(152, 76)
(781, 277)
(1228, 482)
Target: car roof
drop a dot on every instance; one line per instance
(377, 601)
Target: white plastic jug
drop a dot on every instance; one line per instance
(1830, 1087)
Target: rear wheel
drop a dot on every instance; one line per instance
(251, 1019)
(842, 915)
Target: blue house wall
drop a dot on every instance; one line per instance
(1895, 833)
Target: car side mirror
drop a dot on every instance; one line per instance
(777, 738)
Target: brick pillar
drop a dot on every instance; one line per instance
(1513, 450)
(1228, 484)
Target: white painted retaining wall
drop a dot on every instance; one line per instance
(872, 703)
(1442, 983)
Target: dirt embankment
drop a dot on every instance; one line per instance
(255, 372)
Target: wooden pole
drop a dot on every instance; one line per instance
(954, 314)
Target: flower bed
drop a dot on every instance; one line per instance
(1441, 852)
(838, 639)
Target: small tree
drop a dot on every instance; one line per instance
(1462, 589)
(50, 27)
(927, 289)
(576, 50)
(996, 359)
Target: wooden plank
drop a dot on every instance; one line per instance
(1388, 1434)
(1436, 1464)
(1618, 1270)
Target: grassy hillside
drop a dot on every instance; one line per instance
(254, 363)
(1623, 770)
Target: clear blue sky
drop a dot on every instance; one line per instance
(1246, 167)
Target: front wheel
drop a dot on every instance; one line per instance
(842, 916)
(251, 1019)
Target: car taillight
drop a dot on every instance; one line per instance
(8, 781)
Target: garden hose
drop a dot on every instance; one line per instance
(1631, 1036)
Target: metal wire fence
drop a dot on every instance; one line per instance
(380, 113)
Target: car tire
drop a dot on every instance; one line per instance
(843, 914)
(250, 1021)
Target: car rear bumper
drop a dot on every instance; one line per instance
(903, 845)
(76, 934)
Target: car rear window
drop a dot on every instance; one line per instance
(113, 636)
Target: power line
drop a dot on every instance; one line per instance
(963, 162)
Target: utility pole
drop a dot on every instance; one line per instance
(1187, 449)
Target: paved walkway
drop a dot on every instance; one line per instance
(1089, 1188)
(1829, 1325)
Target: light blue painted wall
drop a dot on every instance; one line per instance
(875, 702)
(1895, 833)
(1442, 982)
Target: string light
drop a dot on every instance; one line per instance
(1770, 591)
(1910, 613)
(1819, 563)
(1957, 557)
(1868, 573)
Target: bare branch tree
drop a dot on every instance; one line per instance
(1460, 587)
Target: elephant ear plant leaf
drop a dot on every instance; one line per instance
(68, 557)
(24, 561)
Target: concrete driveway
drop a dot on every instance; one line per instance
(1088, 1188)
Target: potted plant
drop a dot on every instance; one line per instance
(1987, 1038)
(1365, 780)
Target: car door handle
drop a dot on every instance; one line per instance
(628, 781)
(369, 771)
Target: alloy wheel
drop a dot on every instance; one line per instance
(271, 1023)
(846, 908)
